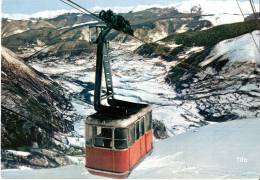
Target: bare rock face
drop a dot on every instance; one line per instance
(32, 105)
(35, 158)
(159, 130)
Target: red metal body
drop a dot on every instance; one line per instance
(118, 163)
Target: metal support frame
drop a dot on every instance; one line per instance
(102, 59)
(116, 107)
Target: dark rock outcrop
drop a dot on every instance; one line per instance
(159, 130)
(35, 158)
(32, 105)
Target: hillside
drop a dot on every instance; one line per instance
(27, 36)
(32, 110)
(53, 42)
(155, 23)
(11, 27)
(172, 46)
(215, 68)
(224, 83)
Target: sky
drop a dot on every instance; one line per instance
(33, 6)
(49, 8)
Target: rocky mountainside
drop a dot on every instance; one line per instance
(54, 42)
(11, 27)
(216, 68)
(25, 37)
(155, 23)
(32, 108)
(174, 46)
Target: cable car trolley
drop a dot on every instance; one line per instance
(114, 146)
(119, 134)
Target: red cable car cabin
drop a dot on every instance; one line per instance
(115, 146)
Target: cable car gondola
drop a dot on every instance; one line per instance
(114, 146)
(119, 134)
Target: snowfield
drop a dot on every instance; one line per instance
(239, 49)
(219, 19)
(225, 150)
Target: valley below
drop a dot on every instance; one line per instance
(135, 79)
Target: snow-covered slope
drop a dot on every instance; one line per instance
(226, 150)
(219, 11)
(237, 50)
(219, 19)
